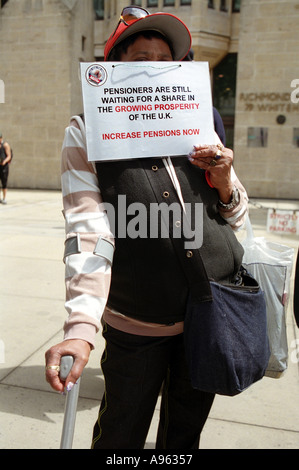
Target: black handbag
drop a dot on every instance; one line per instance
(226, 341)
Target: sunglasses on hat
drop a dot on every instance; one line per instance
(130, 14)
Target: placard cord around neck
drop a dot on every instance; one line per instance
(148, 66)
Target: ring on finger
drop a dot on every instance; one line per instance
(218, 155)
(57, 368)
(213, 162)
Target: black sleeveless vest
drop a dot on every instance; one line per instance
(152, 277)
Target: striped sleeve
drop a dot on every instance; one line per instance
(87, 276)
(236, 216)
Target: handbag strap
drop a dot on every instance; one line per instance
(190, 260)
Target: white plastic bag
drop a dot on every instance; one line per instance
(271, 265)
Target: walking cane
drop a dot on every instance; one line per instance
(71, 402)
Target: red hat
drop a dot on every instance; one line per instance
(168, 25)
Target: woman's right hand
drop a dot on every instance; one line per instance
(79, 349)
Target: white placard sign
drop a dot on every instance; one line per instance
(138, 109)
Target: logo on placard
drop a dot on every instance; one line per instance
(96, 75)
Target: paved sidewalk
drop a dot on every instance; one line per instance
(31, 317)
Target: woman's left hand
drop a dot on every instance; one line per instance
(217, 160)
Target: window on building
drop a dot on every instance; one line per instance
(223, 5)
(152, 3)
(296, 137)
(236, 6)
(3, 3)
(99, 9)
(211, 4)
(83, 43)
(185, 2)
(224, 93)
(257, 137)
(136, 2)
(168, 3)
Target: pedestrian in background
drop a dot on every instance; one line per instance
(5, 158)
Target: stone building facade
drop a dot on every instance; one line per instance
(252, 49)
(41, 45)
(266, 139)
